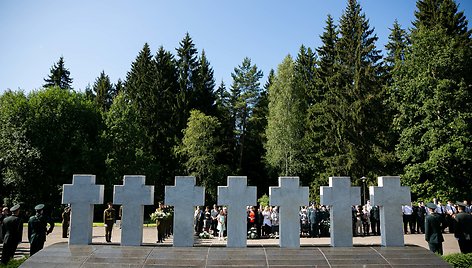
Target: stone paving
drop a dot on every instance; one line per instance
(314, 252)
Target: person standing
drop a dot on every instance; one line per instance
(109, 220)
(375, 220)
(12, 229)
(221, 225)
(65, 222)
(38, 230)
(463, 228)
(433, 229)
(313, 220)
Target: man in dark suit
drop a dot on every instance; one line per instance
(463, 230)
(433, 229)
(12, 229)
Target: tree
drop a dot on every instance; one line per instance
(244, 93)
(432, 13)
(59, 76)
(432, 95)
(396, 47)
(203, 96)
(352, 105)
(285, 129)
(104, 92)
(201, 148)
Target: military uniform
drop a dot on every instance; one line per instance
(12, 229)
(65, 222)
(433, 230)
(38, 229)
(109, 220)
(463, 230)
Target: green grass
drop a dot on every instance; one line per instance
(14, 263)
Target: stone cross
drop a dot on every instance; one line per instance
(289, 196)
(184, 196)
(390, 197)
(237, 195)
(82, 194)
(133, 195)
(340, 196)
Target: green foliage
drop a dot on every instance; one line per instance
(459, 260)
(263, 200)
(59, 76)
(14, 263)
(104, 92)
(285, 127)
(201, 147)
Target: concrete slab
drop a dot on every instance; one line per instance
(64, 255)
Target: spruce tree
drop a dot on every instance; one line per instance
(352, 107)
(59, 76)
(103, 90)
(204, 96)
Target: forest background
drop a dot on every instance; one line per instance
(341, 109)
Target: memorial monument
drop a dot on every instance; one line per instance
(133, 195)
(82, 194)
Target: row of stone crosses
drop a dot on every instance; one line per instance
(83, 193)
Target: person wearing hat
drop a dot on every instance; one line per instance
(12, 229)
(433, 229)
(65, 221)
(463, 228)
(38, 229)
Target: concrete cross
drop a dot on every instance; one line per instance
(390, 197)
(289, 196)
(82, 194)
(340, 196)
(184, 196)
(237, 195)
(133, 195)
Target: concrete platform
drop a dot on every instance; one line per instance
(62, 255)
(314, 252)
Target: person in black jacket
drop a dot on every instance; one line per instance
(12, 229)
(433, 229)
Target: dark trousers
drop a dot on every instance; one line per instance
(465, 246)
(37, 244)
(314, 230)
(375, 226)
(108, 230)
(8, 252)
(436, 248)
(408, 220)
(65, 229)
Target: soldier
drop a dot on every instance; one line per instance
(433, 229)
(109, 220)
(12, 229)
(463, 230)
(38, 229)
(65, 222)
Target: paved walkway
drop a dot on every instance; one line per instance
(314, 252)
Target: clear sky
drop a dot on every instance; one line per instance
(96, 35)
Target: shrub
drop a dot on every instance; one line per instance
(459, 260)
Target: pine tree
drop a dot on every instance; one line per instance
(398, 43)
(59, 76)
(244, 93)
(203, 96)
(352, 107)
(103, 90)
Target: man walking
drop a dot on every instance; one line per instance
(38, 229)
(433, 229)
(463, 228)
(12, 229)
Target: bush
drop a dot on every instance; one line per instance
(459, 260)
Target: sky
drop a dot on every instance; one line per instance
(96, 35)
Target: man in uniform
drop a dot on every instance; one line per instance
(433, 229)
(65, 222)
(463, 230)
(109, 220)
(38, 229)
(12, 229)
